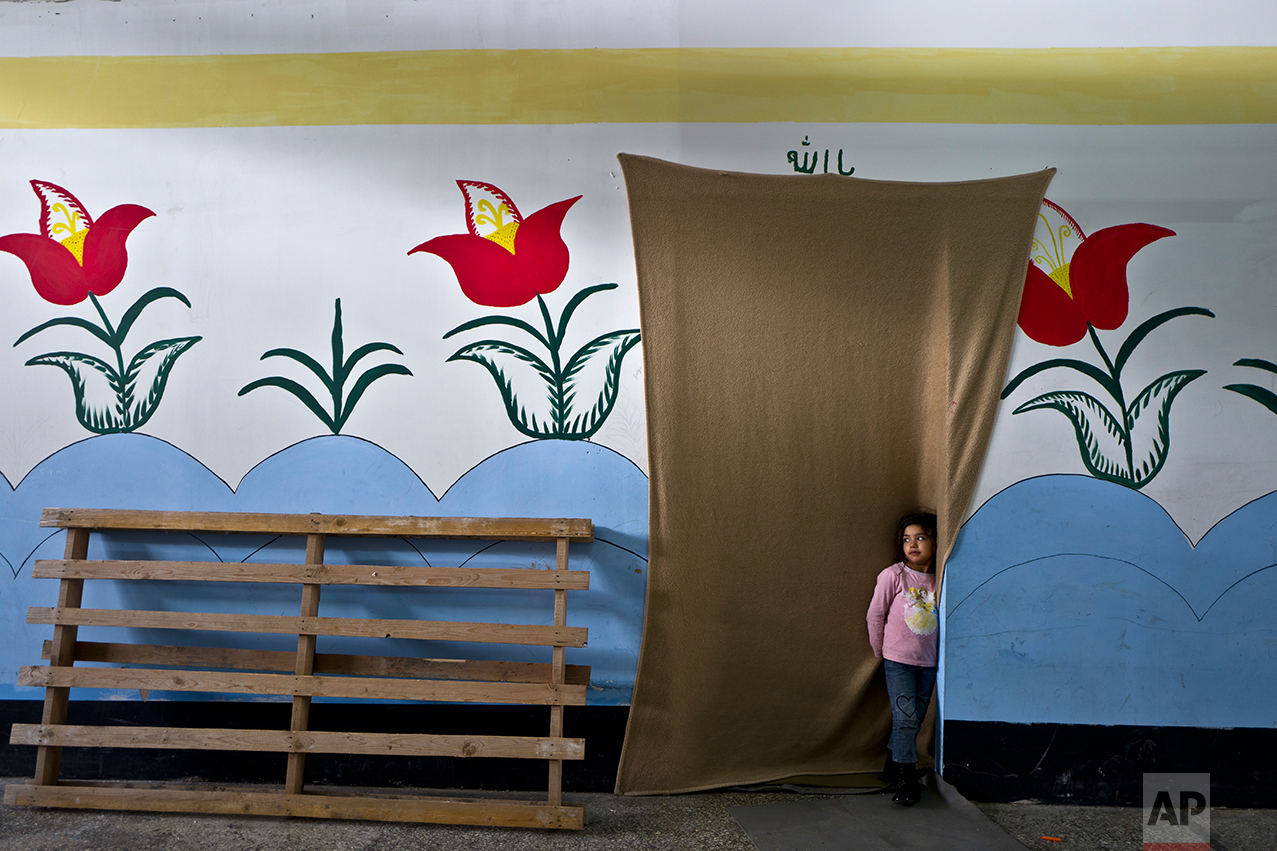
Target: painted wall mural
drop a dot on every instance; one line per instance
(75, 257)
(273, 264)
(251, 307)
(1077, 599)
(507, 262)
(334, 381)
(1085, 289)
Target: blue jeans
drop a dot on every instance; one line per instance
(909, 688)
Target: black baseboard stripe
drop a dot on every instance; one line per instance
(1091, 764)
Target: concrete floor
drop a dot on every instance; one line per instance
(657, 823)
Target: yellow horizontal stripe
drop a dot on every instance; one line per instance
(1205, 85)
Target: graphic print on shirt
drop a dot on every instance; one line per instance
(920, 610)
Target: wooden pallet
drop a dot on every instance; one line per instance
(304, 674)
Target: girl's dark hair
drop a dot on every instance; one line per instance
(926, 520)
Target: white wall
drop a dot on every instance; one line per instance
(166, 27)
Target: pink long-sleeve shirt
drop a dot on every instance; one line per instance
(903, 618)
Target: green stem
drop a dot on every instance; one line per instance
(118, 346)
(1120, 398)
(1090, 329)
(556, 393)
(110, 329)
(338, 373)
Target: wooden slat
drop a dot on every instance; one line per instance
(557, 670)
(324, 574)
(486, 528)
(325, 663)
(41, 676)
(295, 782)
(48, 761)
(400, 808)
(567, 636)
(284, 741)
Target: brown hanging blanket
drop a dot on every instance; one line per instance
(822, 354)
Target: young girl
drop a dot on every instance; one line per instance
(904, 633)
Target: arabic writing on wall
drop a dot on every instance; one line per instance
(811, 159)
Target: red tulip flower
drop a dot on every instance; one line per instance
(1085, 289)
(505, 260)
(74, 255)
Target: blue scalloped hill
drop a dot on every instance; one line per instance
(346, 475)
(1077, 601)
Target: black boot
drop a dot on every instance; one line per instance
(907, 791)
(890, 770)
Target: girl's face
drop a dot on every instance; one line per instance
(919, 548)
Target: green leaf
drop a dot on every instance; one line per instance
(1160, 393)
(363, 351)
(362, 384)
(69, 320)
(1090, 419)
(1147, 326)
(1150, 447)
(339, 374)
(1257, 363)
(617, 344)
(297, 390)
(158, 357)
(306, 361)
(97, 388)
(486, 348)
(575, 302)
(493, 355)
(627, 337)
(131, 315)
(336, 382)
(499, 320)
(1091, 371)
(1262, 395)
